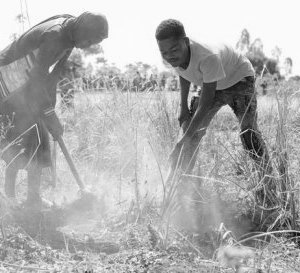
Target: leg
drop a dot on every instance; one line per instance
(244, 105)
(11, 172)
(40, 149)
(14, 162)
(34, 183)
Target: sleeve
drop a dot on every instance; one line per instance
(28, 42)
(49, 45)
(8, 55)
(212, 69)
(40, 96)
(17, 50)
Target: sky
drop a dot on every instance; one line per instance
(132, 23)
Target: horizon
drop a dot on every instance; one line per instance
(132, 24)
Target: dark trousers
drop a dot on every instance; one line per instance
(241, 98)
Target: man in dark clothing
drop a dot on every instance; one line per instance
(29, 71)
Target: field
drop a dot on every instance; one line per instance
(120, 143)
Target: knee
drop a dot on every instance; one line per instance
(10, 180)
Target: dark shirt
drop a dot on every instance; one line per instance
(46, 43)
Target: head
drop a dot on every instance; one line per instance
(172, 42)
(89, 29)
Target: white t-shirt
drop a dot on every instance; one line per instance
(221, 64)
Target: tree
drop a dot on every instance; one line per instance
(143, 67)
(101, 60)
(261, 63)
(13, 37)
(276, 53)
(256, 49)
(108, 69)
(243, 43)
(131, 69)
(288, 67)
(20, 19)
(271, 66)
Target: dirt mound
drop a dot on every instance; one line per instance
(44, 226)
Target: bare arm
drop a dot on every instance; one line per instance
(44, 90)
(41, 81)
(9, 54)
(205, 103)
(184, 93)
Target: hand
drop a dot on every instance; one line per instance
(53, 124)
(183, 116)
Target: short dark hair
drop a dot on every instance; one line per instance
(170, 28)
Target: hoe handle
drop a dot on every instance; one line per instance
(70, 163)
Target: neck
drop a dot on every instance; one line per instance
(187, 59)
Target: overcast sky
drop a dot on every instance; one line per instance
(133, 23)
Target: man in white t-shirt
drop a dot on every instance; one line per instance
(226, 78)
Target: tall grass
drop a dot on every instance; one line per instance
(121, 141)
(124, 139)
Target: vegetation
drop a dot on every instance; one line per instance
(120, 142)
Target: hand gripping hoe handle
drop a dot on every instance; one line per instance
(70, 163)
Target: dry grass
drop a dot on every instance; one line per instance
(121, 141)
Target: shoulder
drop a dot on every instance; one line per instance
(200, 52)
(211, 62)
(52, 33)
(201, 48)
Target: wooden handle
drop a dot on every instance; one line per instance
(70, 163)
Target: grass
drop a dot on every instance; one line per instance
(120, 143)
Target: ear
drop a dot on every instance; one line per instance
(186, 41)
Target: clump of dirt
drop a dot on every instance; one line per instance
(45, 226)
(142, 247)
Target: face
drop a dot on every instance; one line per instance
(85, 38)
(86, 42)
(175, 51)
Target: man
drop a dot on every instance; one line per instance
(162, 83)
(29, 71)
(137, 82)
(225, 77)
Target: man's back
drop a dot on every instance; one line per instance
(18, 58)
(215, 63)
(32, 39)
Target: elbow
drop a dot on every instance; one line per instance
(208, 103)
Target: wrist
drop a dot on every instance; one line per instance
(184, 107)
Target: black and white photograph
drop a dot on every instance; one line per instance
(149, 136)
